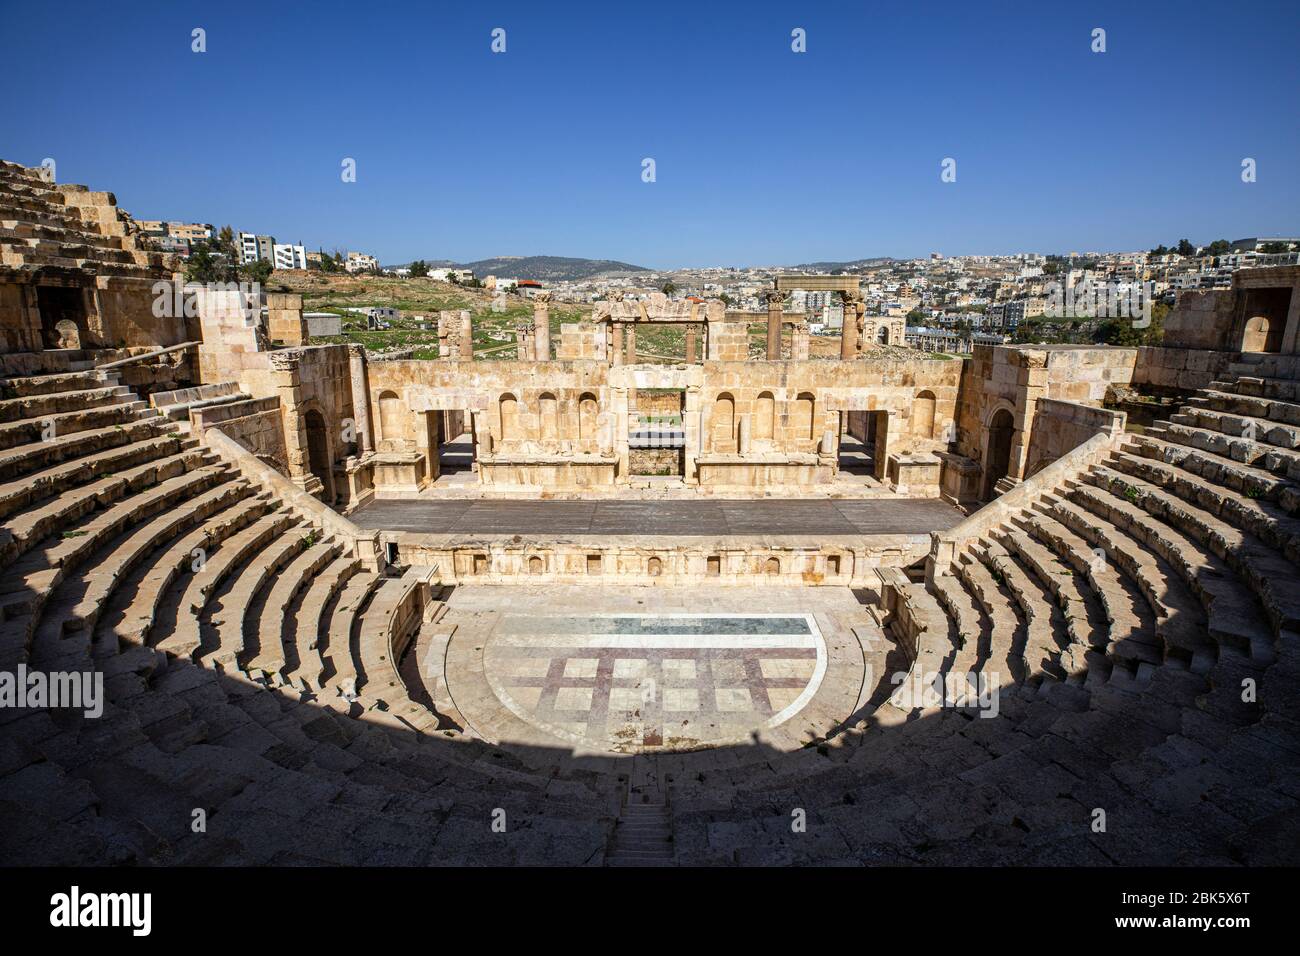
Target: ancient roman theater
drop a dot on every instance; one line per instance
(573, 606)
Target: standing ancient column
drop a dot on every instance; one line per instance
(542, 326)
(849, 333)
(630, 358)
(360, 398)
(774, 300)
(615, 343)
(466, 336)
(691, 332)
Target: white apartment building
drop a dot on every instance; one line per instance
(289, 257)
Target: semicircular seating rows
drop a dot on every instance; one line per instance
(247, 673)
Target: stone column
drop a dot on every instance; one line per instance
(691, 331)
(615, 343)
(466, 336)
(526, 340)
(849, 333)
(743, 437)
(799, 343)
(774, 300)
(630, 357)
(360, 399)
(542, 326)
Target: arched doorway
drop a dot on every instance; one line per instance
(765, 417)
(391, 410)
(923, 415)
(723, 426)
(318, 453)
(997, 460)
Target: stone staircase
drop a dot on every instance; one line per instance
(66, 226)
(643, 832)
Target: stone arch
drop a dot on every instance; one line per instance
(765, 416)
(535, 565)
(1262, 335)
(772, 566)
(319, 459)
(722, 427)
(588, 416)
(391, 410)
(804, 422)
(654, 567)
(508, 409)
(923, 414)
(548, 416)
(997, 453)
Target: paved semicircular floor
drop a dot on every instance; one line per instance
(780, 665)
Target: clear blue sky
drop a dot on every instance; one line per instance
(763, 155)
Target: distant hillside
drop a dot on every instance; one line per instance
(854, 265)
(543, 268)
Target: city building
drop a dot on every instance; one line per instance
(289, 257)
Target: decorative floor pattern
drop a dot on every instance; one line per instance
(674, 681)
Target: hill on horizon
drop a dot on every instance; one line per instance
(541, 268)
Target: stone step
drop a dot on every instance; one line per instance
(1008, 630)
(1045, 630)
(1180, 621)
(52, 403)
(185, 640)
(23, 529)
(312, 622)
(276, 628)
(13, 434)
(1232, 612)
(1275, 461)
(31, 385)
(340, 677)
(25, 459)
(1130, 634)
(1255, 538)
(228, 609)
(1085, 622)
(82, 597)
(40, 485)
(186, 555)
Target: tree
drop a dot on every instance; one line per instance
(206, 265)
(668, 288)
(1217, 248)
(258, 271)
(1161, 250)
(419, 269)
(1272, 248)
(1185, 248)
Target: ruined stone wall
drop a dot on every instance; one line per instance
(661, 560)
(257, 424)
(556, 419)
(1201, 319)
(581, 341)
(1162, 367)
(1016, 378)
(1059, 427)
